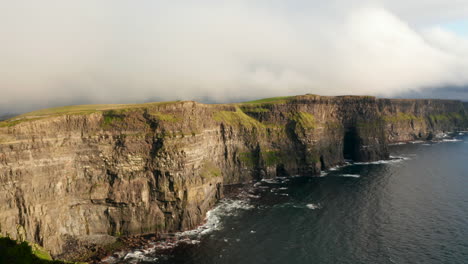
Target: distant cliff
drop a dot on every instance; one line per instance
(75, 176)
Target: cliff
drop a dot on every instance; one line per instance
(76, 176)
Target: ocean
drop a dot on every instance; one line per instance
(410, 209)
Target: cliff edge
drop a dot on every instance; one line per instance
(71, 177)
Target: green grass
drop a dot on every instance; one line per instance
(446, 117)
(399, 117)
(111, 117)
(13, 252)
(166, 117)
(254, 109)
(8, 123)
(40, 252)
(210, 170)
(456, 116)
(236, 118)
(275, 100)
(304, 120)
(77, 110)
(271, 157)
(248, 158)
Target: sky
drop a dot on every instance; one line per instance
(56, 52)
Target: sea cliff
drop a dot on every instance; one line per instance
(74, 177)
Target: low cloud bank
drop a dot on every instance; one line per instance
(58, 53)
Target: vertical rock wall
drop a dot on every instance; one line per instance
(67, 181)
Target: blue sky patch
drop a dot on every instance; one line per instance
(460, 27)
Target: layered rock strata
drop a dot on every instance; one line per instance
(72, 179)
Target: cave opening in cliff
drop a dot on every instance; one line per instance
(350, 144)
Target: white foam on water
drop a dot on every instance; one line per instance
(382, 161)
(226, 207)
(271, 181)
(351, 175)
(416, 141)
(335, 168)
(133, 257)
(137, 256)
(398, 143)
(441, 135)
(314, 206)
(451, 140)
(283, 188)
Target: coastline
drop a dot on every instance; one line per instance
(158, 168)
(168, 244)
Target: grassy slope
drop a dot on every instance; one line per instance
(277, 100)
(89, 109)
(14, 252)
(74, 110)
(251, 106)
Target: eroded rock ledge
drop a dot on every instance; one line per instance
(78, 177)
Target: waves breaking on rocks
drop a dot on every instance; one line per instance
(226, 207)
(245, 200)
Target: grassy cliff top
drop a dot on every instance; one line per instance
(77, 110)
(93, 108)
(278, 100)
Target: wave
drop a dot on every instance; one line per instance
(314, 206)
(397, 143)
(451, 140)
(442, 135)
(272, 181)
(311, 206)
(226, 207)
(391, 160)
(138, 256)
(350, 175)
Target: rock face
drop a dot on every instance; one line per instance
(70, 180)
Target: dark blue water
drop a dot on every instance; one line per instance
(405, 211)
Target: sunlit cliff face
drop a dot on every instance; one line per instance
(56, 52)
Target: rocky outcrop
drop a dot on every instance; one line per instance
(74, 179)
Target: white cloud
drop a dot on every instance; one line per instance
(58, 52)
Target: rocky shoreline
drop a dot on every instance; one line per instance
(158, 168)
(158, 244)
(167, 244)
